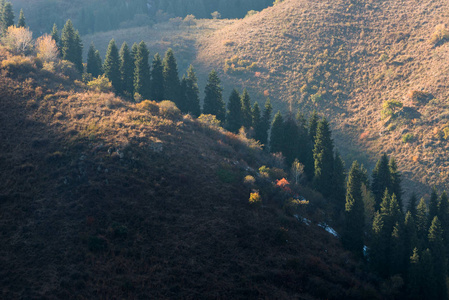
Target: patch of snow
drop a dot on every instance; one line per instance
(304, 220)
(365, 250)
(328, 229)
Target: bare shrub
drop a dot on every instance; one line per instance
(439, 36)
(100, 84)
(169, 109)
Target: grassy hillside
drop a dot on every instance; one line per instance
(345, 58)
(102, 198)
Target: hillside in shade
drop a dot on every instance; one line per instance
(103, 198)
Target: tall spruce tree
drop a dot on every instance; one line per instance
(323, 155)
(256, 117)
(78, 51)
(7, 17)
(379, 245)
(55, 36)
(142, 71)
(94, 64)
(313, 125)
(134, 49)
(354, 221)
(412, 202)
(290, 144)
(436, 245)
(428, 282)
(127, 70)
(381, 179)
(305, 154)
(157, 79)
(172, 85)
(213, 100)
(234, 115)
(414, 276)
(397, 259)
(433, 206)
(111, 67)
(246, 109)
(265, 123)
(71, 46)
(191, 93)
(395, 181)
(338, 183)
(421, 223)
(21, 22)
(410, 237)
(277, 133)
(443, 216)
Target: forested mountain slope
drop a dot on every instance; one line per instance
(103, 198)
(346, 59)
(105, 15)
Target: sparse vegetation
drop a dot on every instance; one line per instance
(440, 35)
(390, 108)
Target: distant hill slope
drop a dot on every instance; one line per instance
(101, 198)
(345, 58)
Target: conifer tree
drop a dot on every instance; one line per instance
(412, 204)
(395, 184)
(354, 224)
(213, 100)
(71, 46)
(55, 36)
(157, 79)
(410, 237)
(421, 222)
(246, 109)
(378, 250)
(305, 154)
(338, 182)
(111, 67)
(7, 17)
(290, 144)
(134, 50)
(142, 71)
(323, 155)
(428, 288)
(261, 134)
(172, 84)
(436, 245)
(255, 116)
(191, 93)
(277, 133)
(94, 64)
(313, 125)
(397, 258)
(21, 22)
(381, 177)
(78, 52)
(234, 115)
(127, 70)
(414, 276)
(395, 210)
(433, 206)
(443, 216)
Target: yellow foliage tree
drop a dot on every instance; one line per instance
(18, 39)
(46, 48)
